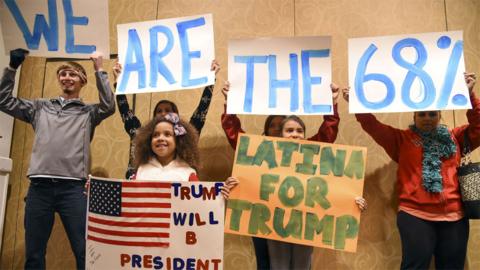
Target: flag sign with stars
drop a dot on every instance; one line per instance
(161, 225)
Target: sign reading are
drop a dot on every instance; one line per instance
(166, 55)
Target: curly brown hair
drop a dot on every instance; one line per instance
(186, 145)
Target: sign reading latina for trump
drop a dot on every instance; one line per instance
(415, 72)
(156, 225)
(280, 76)
(297, 191)
(56, 28)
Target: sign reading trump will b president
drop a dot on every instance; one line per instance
(156, 225)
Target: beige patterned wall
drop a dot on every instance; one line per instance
(379, 244)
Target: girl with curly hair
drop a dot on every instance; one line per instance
(166, 149)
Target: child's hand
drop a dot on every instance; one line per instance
(361, 203)
(230, 183)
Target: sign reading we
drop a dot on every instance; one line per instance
(70, 28)
(165, 55)
(297, 191)
(417, 72)
(156, 225)
(280, 76)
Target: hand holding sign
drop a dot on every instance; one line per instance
(117, 69)
(230, 183)
(17, 57)
(97, 59)
(215, 66)
(335, 91)
(470, 79)
(225, 89)
(346, 93)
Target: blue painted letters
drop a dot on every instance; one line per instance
(415, 71)
(291, 83)
(49, 31)
(250, 62)
(187, 54)
(308, 80)
(70, 21)
(156, 63)
(134, 48)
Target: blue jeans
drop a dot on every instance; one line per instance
(45, 197)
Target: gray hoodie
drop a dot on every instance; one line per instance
(63, 130)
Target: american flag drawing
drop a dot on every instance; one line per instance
(129, 213)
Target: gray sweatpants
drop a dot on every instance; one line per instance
(289, 256)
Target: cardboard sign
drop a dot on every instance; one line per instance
(417, 72)
(159, 225)
(297, 191)
(166, 55)
(54, 28)
(280, 76)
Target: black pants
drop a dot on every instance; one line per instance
(261, 253)
(421, 239)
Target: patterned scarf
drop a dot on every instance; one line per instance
(437, 144)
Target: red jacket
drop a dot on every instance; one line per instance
(405, 148)
(326, 133)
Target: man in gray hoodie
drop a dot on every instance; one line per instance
(59, 164)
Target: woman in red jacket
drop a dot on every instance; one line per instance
(430, 216)
(272, 127)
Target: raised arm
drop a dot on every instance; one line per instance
(387, 137)
(106, 106)
(22, 109)
(473, 116)
(230, 123)
(329, 129)
(130, 122)
(200, 114)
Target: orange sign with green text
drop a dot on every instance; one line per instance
(297, 191)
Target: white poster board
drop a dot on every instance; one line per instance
(166, 55)
(55, 28)
(6, 132)
(157, 225)
(280, 76)
(415, 72)
(6, 121)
